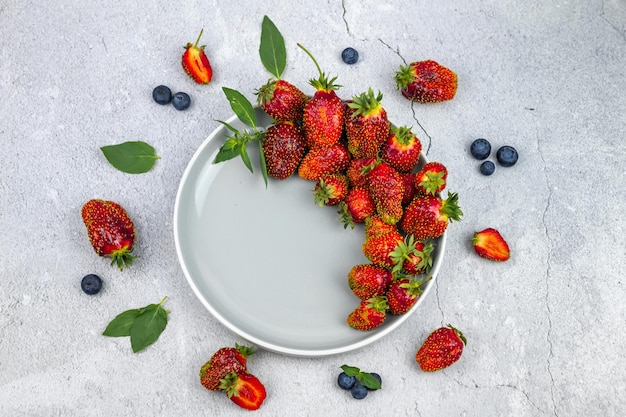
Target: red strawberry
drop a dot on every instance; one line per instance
(330, 189)
(403, 294)
(426, 82)
(441, 349)
(420, 260)
(356, 207)
(409, 188)
(281, 100)
(196, 64)
(359, 169)
(374, 226)
(402, 149)
(431, 179)
(223, 362)
(378, 249)
(323, 161)
(387, 190)
(407, 258)
(427, 216)
(283, 148)
(490, 244)
(369, 314)
(368, 280)
(110, 230)
(245, 390)
(323, 113)
(366, 124)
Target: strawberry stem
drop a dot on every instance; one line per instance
(313, 58)
(199, 36)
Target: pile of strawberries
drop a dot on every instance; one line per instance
(367, 168)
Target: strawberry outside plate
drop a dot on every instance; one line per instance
(268, 263)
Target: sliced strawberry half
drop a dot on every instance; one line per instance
(196, 64)
(490, 244)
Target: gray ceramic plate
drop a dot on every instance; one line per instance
(268, 263)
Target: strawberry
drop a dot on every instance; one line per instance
(356, 207)
(110, 230)
(330, 189)
(431, 179)
(427, 216)
(369, 314)
(401, 149)
(223, 362)
(281, 100)
(196, 64)
(366, 124)
(324, 112)
(426, 82)
(359, 169)
(283, 148)
(409, 188)
(378, 249)
(245, 390)
(368, 280)
(387, 190)
(374, 226)
(323, 161)
(420, 260)
(441, 349)
(490, 244)
(403, 294)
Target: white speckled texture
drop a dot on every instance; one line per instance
(545, 330)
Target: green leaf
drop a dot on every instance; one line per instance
(148, 326)
(241, 106)
(245, 157)
(229, 150)
(272, 48)
(263, 163)
(121, 324)
(228, 126)
(131, 157)
(350, 370)
(368, 380)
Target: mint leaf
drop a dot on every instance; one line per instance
(350, 370)
(272, 48)
(263, 163)
(241, 106)
(131, 157)
(229, 150)
(368, 380)
(121, 324)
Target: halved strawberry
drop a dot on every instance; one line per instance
(426, 82)
(283, 148)
(224, 361)
(322, 161)
(369, 314)
(281, 100)
(490, 244)
(401, 149)
(431, 179)
(195, 62)
(245, 390)
(366, 124)
(368, 280)
(356, 207)
(330, 189)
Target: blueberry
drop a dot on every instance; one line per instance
(507, 156)
(345, 381)
(487, 168)
(480, 149)
(91, 284)
(162, 94)
(181, 101)
(350, 56)
(359, 391)
(375, 375)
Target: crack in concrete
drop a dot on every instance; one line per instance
(611, 24)
(439, 301)
(343, 17)
(548, 274)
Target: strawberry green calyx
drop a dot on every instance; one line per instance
(366, 104)
(322, 83)
(450, 207)
(404, 76)
(401, 253)
(122, 258)
(458, 333)
(245, 351)
(378, 303)
(195, 45)
(266, 92)
(403, 134)
(324, 193)
(229, 384)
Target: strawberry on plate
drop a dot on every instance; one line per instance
(426, 82)
(379, 249)
(442, 348)
(369, 314)
(402, 294)
(281, 100)
(356, 207)
(366, 124)
(111, 231)
(431, 179)
(368, 280)
(490, 244)
(283, 147)
(321, 161)
(387, 190)
(244, 389)
(427, 216)
(330, 189)
(401, 149)
(195, 62)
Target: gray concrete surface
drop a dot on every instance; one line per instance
(545, 330)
